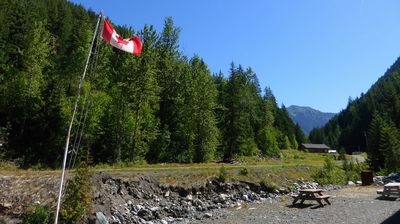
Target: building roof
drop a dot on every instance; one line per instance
(315, 146)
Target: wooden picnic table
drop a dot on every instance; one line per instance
(311, 194)
(390, 189)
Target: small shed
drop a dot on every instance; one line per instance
(316, 148)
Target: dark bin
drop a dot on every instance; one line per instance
(367, 178)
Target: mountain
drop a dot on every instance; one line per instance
(308, 118)
(370, 123)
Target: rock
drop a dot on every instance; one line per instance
(393, 177)
(101, 218)
(5, 205)
(378, 180)
(189, 197)
(254, 197)
(145, 214)
(120, 218)
(223, 197)
(137, 208)
(207, 215)
(350, 183)
(245, 197)
(163, 221)
(358, 182)
(167, 194)
(197, 202)
(153, 209)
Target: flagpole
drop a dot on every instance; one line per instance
(72, 120)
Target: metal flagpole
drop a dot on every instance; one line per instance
(72, 121)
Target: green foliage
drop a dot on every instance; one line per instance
(294, 143)
(370, 122)
(160, 106)
(390, 145)
(244, 171)
(77, 202)
(223, 174)
(330, 173)
(270, 185)
(241, 100)
(342, 153)
(284, 143)
(353, 170)
(267, 142)
(384, 145)
(38, 214)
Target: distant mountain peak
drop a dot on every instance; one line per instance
(308, 117)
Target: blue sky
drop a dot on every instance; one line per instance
(311, 53)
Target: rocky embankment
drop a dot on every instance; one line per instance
(140, 197)
(144, 200)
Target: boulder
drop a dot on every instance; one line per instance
(101, 218)
(207, 215)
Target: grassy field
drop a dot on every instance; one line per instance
(289, 158)
(292, 166)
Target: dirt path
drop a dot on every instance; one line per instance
(355, 205)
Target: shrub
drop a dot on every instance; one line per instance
(330, 173)
(342, 153)
(353, 170)
(244, 171)
(38, 214)
(269, 185)
(223, 174)
(78, 198)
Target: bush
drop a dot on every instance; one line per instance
(330, 173)
(78, 198)
(223, 174)
(353, 170)
(38, 214)
(342, 153)
(269, 185)
(244, 171)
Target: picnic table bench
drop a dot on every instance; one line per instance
(390, 189)
(311, 194)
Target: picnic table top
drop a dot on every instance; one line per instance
(392, 185)
(310, 190)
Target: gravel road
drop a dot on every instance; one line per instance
(351, 205)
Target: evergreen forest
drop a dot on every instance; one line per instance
(370, 123)
(160, 106)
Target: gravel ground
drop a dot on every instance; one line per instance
(350, 205)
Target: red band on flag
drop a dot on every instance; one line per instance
(107, 31)
(132, 45)
(138, 45)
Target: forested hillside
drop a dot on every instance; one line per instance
(370, 122)
(161, 106)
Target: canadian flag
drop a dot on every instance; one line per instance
(132, 45)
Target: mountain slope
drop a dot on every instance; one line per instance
(370, 123)
(308, 118)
